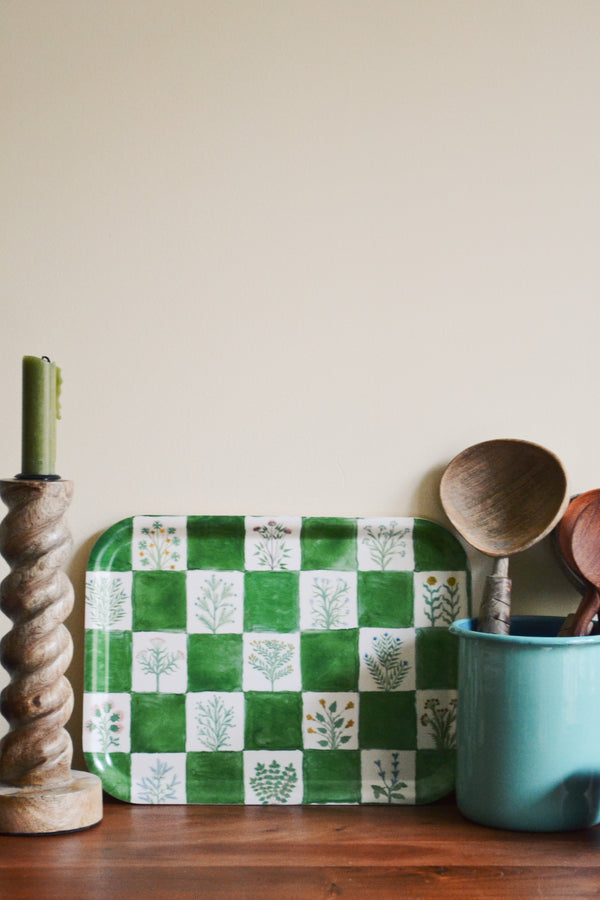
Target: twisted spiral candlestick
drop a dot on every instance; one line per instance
(38, 790)
(37, 596)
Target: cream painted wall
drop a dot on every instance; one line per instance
(294, 256)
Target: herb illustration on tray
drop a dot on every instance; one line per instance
(273, 659)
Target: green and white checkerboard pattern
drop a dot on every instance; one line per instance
(244, 659)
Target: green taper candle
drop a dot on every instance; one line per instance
(41, 389)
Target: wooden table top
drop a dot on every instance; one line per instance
(297, 852)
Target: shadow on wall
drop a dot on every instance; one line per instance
(425, 500)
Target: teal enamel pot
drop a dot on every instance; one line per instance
(528, 726)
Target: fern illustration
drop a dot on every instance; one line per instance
(329, 603)
(214, 721)
(272, 659)
(215, 608)
(158, 787)
(385, 663)
(105, 601)
(274, 783)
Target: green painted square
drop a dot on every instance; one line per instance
(329, 660)
(271, 601)
(385, 599)
(108, 661)
(159, 601)
(216, 542)
(435, 774)
(157, 723)
(112, 550)
(331, 776)
(437, 659)
(436, 548)
(215, 777)
(328, 543)
(115, 771)
(388, 720)
(273, 720)
(215, 662)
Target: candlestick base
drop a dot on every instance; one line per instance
(51, 810)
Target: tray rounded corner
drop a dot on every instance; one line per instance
(112, 549)
(114, 781)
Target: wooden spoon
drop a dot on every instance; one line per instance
(503, 496)
(585, 547)
(563, 534)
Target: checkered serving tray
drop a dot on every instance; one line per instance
(257, 659)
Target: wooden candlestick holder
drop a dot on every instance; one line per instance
(39, 792)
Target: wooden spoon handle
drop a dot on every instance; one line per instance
(587, 609)
(494, 612)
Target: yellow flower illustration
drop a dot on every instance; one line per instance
(330, 726)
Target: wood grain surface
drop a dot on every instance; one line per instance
(298, 852)
(505, 495)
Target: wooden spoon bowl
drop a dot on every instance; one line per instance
(504, 495)
(563, 534)
(585, 547)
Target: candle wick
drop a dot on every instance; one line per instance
(47, 358)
